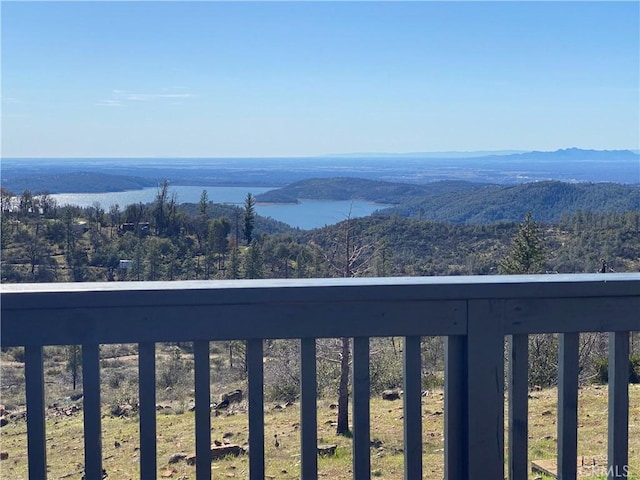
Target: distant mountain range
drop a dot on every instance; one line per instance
(448, 154)
(564, 154)
(569, 154)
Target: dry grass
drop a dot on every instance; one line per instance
(175, 434)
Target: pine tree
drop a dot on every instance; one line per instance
(233, 271)
(528, 254)
(249, 217)
(253, 267)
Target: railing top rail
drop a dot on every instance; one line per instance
(323, 289)
(124, 312)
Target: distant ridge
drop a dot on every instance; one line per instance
(577, 154)
(446, 154)
(563, 153)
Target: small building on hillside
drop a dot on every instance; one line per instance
(125, 264)
(145, 228)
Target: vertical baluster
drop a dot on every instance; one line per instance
(36, 437)
(147, 386)
(485, 382)
(91, 406)
(308, 409)
(361, 398)
(455, 408)
(567, 405)
(618, 444)
(412, 373)
(202, 384)
(256, 409)
(518, 405)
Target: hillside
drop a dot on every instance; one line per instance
(263, 225)
(547, 201)
(76, 182)
(349, 188)
(467, 202)
(398, 246)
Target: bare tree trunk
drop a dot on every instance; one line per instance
(343, 391)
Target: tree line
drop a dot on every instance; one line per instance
(166, 240)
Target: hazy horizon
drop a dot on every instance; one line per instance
(453, 154)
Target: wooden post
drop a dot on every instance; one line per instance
(147, 385)
(567, 406)
(518, 405)
(91, 414)
(36, 438)
(485, 383)
(308, 409)
(202, 383)
(361, 394)
(256, 409)
(618, 455)
(455, 408)
(412, 369)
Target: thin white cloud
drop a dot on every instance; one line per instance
(109, 103)
(153, 96)
(177, 95)
(121, 97)
(135, 97)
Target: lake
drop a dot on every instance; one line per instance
(306, 215)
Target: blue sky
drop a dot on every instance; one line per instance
(226, 79)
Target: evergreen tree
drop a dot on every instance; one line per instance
(249, 217)
(234, 264)
(137, 265)
(528, 254)
(203, 204)
(153, 259)
(217, 240)
(253, 266)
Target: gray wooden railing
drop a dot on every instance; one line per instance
(473, 313)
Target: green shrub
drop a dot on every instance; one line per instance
(602, 365)
(174, 371)
(282, 371)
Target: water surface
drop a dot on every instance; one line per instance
(307, 214)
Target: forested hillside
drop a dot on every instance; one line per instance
(547, 201)
(348, 188)
(76, 182)
(42, 242)
(467, 202)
